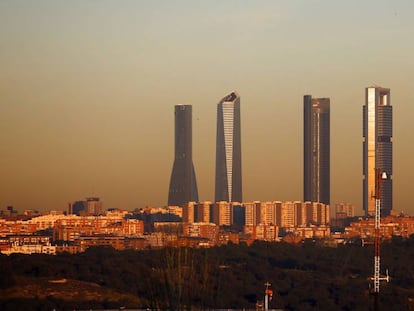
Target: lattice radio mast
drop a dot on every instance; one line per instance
(379, 179)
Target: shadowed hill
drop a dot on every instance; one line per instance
(303, 277)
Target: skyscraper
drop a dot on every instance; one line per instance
(316, 149)
(183, 184)
(377, 148)
(228, 185)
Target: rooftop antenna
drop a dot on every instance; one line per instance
(268, 295)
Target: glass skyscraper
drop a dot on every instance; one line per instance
(377, 148)
(316, 147)
(228, 181)
(183, 184)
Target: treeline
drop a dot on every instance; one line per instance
(303, 277)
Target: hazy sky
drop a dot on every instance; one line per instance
(88, 88)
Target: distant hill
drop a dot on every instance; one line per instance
(34, 293)
(303, 277)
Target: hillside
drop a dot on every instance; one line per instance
(303, 277)
(45, 293)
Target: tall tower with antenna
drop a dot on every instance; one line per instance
(377, 148)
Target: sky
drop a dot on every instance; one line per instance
(88, 88)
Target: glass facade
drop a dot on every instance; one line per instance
(316, 147)
(377, 148)
(183, 184)
(228, 181)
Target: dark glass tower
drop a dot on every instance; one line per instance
(183, 184)
(228, 185)
(377, 148)
(316, 149)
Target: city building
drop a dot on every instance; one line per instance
(224, 237)
(223, 213)
(239, 215)
(47, 221)
(8, 212)
(316, 149)
(10, 227)
(318, 213)
(377, 148)
(260, 213)
(70, 228)
(94, 206)
(204, 230)
(310, 232)
(252, 213)
(285, 214)
(301, 212)
(189, 212)
(204, 212)
(228, 179)
(116, 242)
(344, 210)
(183, 184)
(29, 249)
(390, 226)
(90, 206)
(263, 232)
(175, 211)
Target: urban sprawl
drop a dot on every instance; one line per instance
(186, 221)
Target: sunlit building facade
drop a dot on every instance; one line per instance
(377, 148)
(183, 184)
(223, 213)
(205, 211)
(189, 213)
(344, 210)
(228, 179)
(252, 213)
(316, 149)
(285, 214)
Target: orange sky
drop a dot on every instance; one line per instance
(87, 94)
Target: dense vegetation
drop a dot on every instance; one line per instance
(303, 277)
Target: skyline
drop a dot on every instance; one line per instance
(87, 88)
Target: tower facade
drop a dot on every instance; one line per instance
(377, 148)
(183, 184)
(316, 149)
(228, 181)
